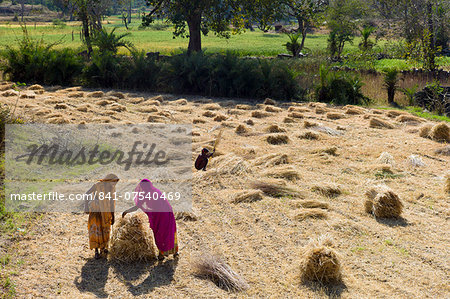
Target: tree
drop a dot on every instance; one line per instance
(263, 12)
(390, 82)
(366, 43)
(200, 17)
(307, 13)
(342, 17)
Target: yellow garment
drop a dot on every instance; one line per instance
(101, 212)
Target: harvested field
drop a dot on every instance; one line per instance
(261, 231)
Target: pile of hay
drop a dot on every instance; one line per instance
(309, 124)
(269, 101)
(327, 190)
(424, 131)
(335, 115)
(298, 109)
(408, 118)
(284, 172)
(191, 215)
(288, 120)
(354, 110)
(296, 115)
(395, 113)
(386, 158)
(147, 109)
(415, 161)
(209, 113)
(445, 151)
(216, 269)
(259, 114)
(276, 188)
(220, 117)
(179, 102)
(309, 135)
(247, 196)
(313, 213)
(440, 133)
(241, 129)
(250, 122)
(321, 110)
(319, 262)
(243, 107)
(383, 202)
(277, 139)
(275, 129)
(273, 109)
(380, 124)
(213, 106)
(328, 150)
(132, 239)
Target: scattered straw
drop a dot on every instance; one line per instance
(187, 215)
(383, 202)
(312, 204)
(247, 196)
(447, 184)
(275, 129)
(132, 239)
(276, 188)
(216, 269)
(319, 262)
(440, 132)
(380, 124)
(283, 172)
(327, 190)
(313, 213)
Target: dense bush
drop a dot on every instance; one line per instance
(197, 73)
(33, 61)
(339, 88)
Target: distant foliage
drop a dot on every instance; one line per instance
(390, 83)
(339, 88)
(34, 61)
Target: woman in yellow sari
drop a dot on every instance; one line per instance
(101, 213)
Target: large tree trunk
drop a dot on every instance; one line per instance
(85, 23)
(195, 38)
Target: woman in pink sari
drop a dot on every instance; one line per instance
(160, 216)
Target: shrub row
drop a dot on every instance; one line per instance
(206, 74)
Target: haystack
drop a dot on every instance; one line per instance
(241, 129)
(215, 268)
(445, 151)
(395, 113)
(335, 115)
(277, 139)
(354, 110)
(309, 124)
(405, 118)
(380, 124)
(321, 110)
(269, 101)
(313, 204)
(298, 109)
(386, 158)
(116, 94)
(75, 94)
(243, 107)
(275, 129)
(327, 190)
(383, 202)
(213, 106)
(288, 120)
(309, 135)
(259, 114)
(229, 164)
(247, 196)
(250, 122)
(220, 117)
(425, 131)
(179, 102)
(296, 115)
(440, 133)
(319, 262)
(132, 239)
(209, 114)
(147, 109)
(96, 94)
(273, 109)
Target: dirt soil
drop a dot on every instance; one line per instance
(262, 240)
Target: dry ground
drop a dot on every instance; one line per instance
(261, 240)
